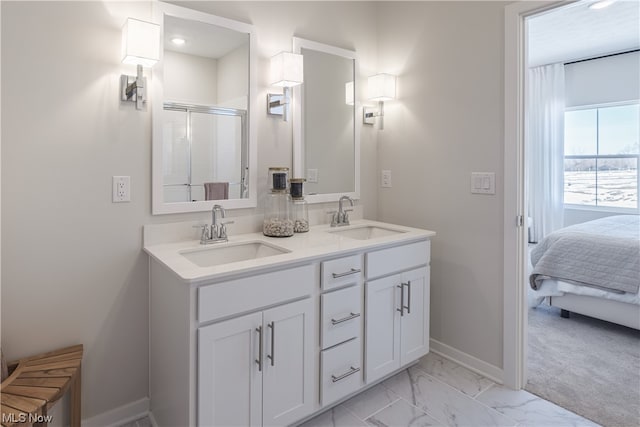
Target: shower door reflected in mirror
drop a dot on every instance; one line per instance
(326, 137)
(203, 144)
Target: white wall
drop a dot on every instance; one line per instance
(446, 123)
(72, 266)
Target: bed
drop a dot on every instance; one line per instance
(591, 268)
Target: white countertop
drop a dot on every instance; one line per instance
(303, 247)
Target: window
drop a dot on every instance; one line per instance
(601, 156)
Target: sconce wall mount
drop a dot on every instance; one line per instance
(382, 87)
(286, 72)
(140, 47)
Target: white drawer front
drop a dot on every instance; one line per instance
(341, 316)
(341, 271)
(241, 295)
(391, 260)
(341, 371)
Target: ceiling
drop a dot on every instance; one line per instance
(576, 32)
(202, 39)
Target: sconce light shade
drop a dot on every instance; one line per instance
(140, 42)
(382, 87)
(349, 95)
(287, 69)
(140, 47)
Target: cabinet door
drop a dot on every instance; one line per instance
(415, 320)
(288, 372)
(382, 328)
(229, 380)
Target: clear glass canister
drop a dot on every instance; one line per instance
(299, 206)
(300, 215)
(277, 215)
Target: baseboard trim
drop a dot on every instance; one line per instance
(478, 366)
(120, 415)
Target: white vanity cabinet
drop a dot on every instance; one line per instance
(341, 317)
(256, 369)
(396, 308)
(234, 352)
(275, 340)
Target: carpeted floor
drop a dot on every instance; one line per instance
(588, 366)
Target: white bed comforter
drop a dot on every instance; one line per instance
(603, 254)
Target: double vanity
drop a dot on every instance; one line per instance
(258, 330)
(267, 331)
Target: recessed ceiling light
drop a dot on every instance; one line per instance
(601, 4)
(178, 41)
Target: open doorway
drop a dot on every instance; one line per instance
(581, 153)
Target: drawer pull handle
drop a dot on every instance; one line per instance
(346, 273)
(272, 357)
(259, 359)
(408, 306)
(345, 375)
(402, 307)
(345, 319)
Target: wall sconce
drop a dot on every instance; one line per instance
(141, 47)
(382, 87)
(286, 72)
(349, 94)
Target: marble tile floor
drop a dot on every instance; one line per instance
(438, 392)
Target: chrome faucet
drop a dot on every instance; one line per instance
(341, 217)
(217, 232)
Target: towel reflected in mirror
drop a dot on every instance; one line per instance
(216, 190)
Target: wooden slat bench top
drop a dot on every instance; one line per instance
(37, 382)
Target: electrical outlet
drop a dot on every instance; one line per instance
(121, 189)
(386, 179)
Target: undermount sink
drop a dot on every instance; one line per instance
(366, 232)
(227, 253)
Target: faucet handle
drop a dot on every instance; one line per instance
(334, 217)
(205, 231)
(222, 231)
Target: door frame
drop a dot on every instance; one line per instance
(515, 259)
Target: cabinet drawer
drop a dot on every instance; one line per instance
(241, 295)
(391, 260)
(341, 271)
(341, 371)
(341, 316)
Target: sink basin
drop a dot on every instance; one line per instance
(226, 253)
(366, 232)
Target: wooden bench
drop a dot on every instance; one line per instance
(36, 383)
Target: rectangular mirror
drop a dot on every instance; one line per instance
(203, 130)
(326, 137)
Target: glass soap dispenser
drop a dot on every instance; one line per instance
(299, 206)
(277, 211)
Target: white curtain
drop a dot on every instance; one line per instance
(544, 142)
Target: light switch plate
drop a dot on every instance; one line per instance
(483, 182)
(312, 175)
(385, 181)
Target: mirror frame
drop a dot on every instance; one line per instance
(298, 122)
(161, 9)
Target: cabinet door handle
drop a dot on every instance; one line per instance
(346, 273)
(344, 319)
(272, 357)
(259, 359)
(408, 306)
(345, 375)
(401, 309)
